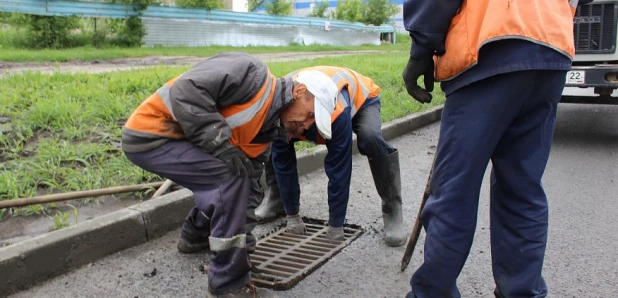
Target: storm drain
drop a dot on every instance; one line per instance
(283, 259)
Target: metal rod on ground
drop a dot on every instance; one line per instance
(416, 230)
(76, 195)
(163, 188)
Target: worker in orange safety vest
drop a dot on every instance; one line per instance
(209, 130)
(357, 111)
(502, 65)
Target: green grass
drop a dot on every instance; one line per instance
(66, 128)
(91, 53)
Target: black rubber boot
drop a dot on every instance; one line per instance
(194, 233)
(249, 291)
(387, 178)
(272, 206)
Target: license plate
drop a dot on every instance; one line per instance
(576, 77)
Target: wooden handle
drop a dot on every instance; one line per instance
(416, 230)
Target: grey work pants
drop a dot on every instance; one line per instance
(224, 207)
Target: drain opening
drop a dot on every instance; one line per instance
(283, 259)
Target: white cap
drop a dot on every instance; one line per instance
(325, 92)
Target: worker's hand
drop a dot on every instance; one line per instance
(414, 69)
(258, 169)
(237, 161)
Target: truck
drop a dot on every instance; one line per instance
(593, 77)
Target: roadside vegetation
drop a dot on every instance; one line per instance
(89, 54)
(80, 41)
(62, 131)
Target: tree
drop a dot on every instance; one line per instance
(372, 12)
(50, 31)
(279, 7)
(208, 4)
(378, 12)
(131, 31)
(319, 10)
(349, 10)
(253, 4)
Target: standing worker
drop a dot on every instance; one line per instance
(502, 64)
(209, 130)
(358, 111)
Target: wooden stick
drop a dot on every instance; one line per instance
(416, 230)
(76, 195)
(163, 188)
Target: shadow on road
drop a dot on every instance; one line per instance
(587, 125)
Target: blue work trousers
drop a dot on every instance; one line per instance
(508, 119)
(367, 125)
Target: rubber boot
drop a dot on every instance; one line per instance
(272, 206)
(194, 233)
(386, 176)
(335, 234)
(249, 291)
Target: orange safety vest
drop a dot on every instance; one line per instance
(155, 117)
(546, 22)
(359, 87)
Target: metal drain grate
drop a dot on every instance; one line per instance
(283, 259)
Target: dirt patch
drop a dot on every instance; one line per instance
(19, 228)
(96, 66)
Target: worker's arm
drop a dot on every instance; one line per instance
(283, 157)
(338, 161)
(214, 83)
(428, 22)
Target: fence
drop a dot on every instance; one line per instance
(174, 26)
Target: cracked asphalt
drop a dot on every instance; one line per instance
(582, 260)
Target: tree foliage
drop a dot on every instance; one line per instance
(138, 4)
(378, 12)
(254, 4)
(131, 31)
(50, 32)
(372, 12)
(349, 10)
(279, 7)
(208, 4)
(319, 10)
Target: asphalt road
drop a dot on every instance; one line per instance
(582, 259)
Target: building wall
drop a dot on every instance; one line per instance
(237, 5)
(192, 32)
(302, 8)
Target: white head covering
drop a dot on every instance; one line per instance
(325, 92)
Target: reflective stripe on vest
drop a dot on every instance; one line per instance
(247, 119)
(155, 116)
(359, 87)
(545, 22)
(164, 93)
(248, 113)
(342, 78)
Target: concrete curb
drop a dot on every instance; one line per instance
(24, 264)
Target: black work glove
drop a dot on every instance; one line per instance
(237, 161)
(414, 69)
(258, 168)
